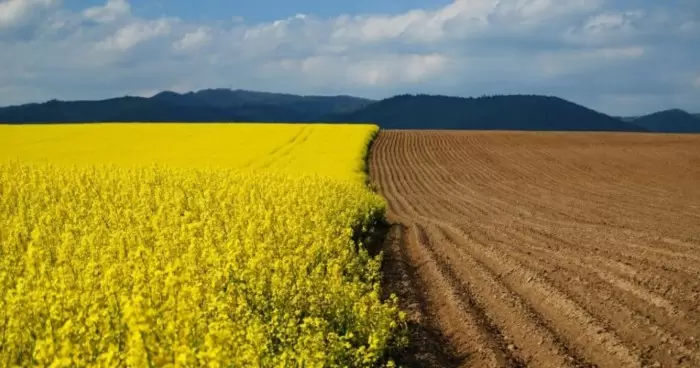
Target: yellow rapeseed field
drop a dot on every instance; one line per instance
(188, 245)
(330, 150)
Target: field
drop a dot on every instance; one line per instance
(288, 148)
(544, 249)
(189, 245)
(253, 245)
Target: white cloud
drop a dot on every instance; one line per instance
(111, 11)
(619, 53)
(555, 64)
(420, 67)
(696, 82)
(132, 34)
(194, 39)
(418, 25)
(15, 12)
(613, 27)
(616, 21)
(377, 70)
(458, 20)
(468, 47)
(690, 26)
(535, 11)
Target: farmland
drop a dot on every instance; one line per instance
(544, 249)
(189, 245)
(287, 148)
(237, 245)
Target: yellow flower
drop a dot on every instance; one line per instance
(233, 250)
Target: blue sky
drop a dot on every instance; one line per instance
(619, 57)
(264, 10)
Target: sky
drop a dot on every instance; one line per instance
(621, 57)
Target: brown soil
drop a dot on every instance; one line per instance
(543, 249)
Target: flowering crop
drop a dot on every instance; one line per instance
(124, 263)
(329, 150)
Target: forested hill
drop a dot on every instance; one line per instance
(310, 107)
(510, 112)
(670, 121)
(505, 112)
(211, 105)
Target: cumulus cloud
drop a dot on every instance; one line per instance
(574, 62)
(584, 50)
(459, 20)
(132, 34)
(616, 22)
(111, 11)
(378, 70)
(194, 39)
(14, 12)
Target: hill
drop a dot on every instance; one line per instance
(503, 112)
(670, 121)
(514, 112)
(312, 106)
(116, 109)
(202, 106)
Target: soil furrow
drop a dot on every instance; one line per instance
(427, 345)
(531, 338)
(543, 249)
(631, 319)
(446, 308)
(569, 318)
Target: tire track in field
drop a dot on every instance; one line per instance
(544, 249)
(284, 150)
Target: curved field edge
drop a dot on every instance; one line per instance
(153, 265)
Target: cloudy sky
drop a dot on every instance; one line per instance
(620, 57)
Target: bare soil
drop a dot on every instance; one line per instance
(543, 249)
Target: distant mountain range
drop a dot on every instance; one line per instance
(507, 112)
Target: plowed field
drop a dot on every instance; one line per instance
(544, 249)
